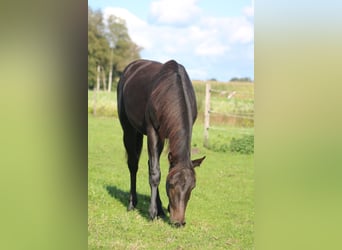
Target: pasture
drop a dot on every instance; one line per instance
(220, 213)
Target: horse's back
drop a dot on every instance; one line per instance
(134, 89)
(142, 77)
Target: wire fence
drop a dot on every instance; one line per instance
(228, 95)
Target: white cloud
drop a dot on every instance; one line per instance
(136, 27)
(242, 32)
(249, 10)
(198, 73)
(130, 18)
(196, 42)
(177, 12)
(211, 47)
(233, 30)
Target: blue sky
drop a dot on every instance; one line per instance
(212, 39)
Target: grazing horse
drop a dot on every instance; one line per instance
(158, 100)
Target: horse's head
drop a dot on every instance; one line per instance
(180, 181)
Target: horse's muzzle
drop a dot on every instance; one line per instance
(176, 222)
(179, 224)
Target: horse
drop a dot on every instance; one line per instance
(158, 100)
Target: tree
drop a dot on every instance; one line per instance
(109, 46)
(121, 47)
(98, 45)
(124, 50)
(124, 53)
(241, 79)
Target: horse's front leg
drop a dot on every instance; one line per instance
(154, 150)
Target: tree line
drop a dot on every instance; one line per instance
(110, 49)
(241, 79)
(235, 79)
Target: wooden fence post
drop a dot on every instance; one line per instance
(207, 115)
(96, 89)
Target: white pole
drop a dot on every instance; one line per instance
(96, 89)
(207, 115)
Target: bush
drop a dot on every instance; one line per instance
(244, 145)
(219, 147)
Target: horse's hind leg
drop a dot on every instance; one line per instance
(133, 143)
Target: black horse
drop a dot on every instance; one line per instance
(158, 100)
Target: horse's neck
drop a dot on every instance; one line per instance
(180, 145)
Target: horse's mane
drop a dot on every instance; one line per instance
(173, 110)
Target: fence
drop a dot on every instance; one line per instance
(208, 111)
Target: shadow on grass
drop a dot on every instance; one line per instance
(143, 202)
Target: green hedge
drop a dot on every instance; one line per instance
(244, 145)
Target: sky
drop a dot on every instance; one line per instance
(212, 39)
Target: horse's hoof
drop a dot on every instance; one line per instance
(161, 214)
(153, 213)
(130, 206)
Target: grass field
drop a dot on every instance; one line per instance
(220, 213)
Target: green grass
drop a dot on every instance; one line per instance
(220, 136)
(105, 105)
(220, 213)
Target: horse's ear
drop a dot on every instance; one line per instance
(169, 156)
(197, 162)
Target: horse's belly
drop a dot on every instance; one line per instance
(135, 106)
